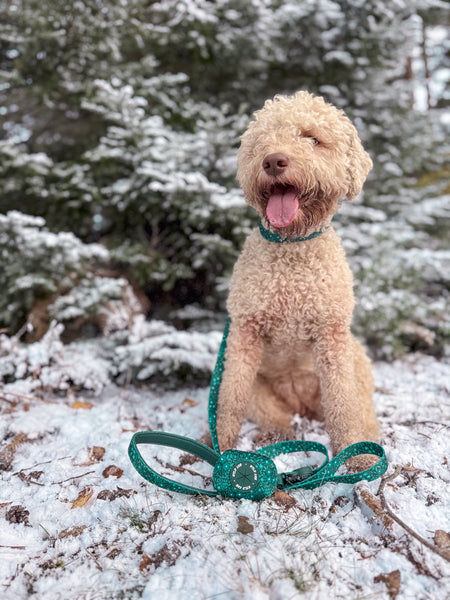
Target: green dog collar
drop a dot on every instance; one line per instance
(275, 237)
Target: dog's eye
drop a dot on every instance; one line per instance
(314, 140)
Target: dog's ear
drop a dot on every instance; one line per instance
(358, 166)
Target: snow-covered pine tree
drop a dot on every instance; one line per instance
(124, 118)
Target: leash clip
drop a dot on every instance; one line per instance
(293, 477)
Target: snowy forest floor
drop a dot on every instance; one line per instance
(77, 522)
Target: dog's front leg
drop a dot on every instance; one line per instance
(343, 414)
(242, 360)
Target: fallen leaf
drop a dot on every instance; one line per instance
(167, 554)
(283, 499)
(83, 497)
(189, 402)
(72, 532)
(187, 459)
(31, 477)
(17, 514)
(392, 581)
(442, 538)
(84, 405)
(112, 471)
(113, 494)
(365, 498)
(145, 562)
(7, 453)
(412, 468)
(96, 453)
(244, 526)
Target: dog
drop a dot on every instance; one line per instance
(289, 349)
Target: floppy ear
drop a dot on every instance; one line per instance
(358, 166)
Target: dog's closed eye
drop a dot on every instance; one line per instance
(305, 136)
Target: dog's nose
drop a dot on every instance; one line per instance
(274, 164)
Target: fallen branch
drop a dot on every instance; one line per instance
(4, 393)
(444, 553)
(74, 477)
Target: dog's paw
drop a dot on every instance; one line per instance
(273, 436)
(360, 463)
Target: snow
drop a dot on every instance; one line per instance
(145, 542)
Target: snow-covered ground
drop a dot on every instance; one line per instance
(77, 522)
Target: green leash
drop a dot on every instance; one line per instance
(251, 475)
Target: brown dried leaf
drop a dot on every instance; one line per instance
(189, 402)
(31, 477)
(113, 494)
(365, 497)
(84, 405)
(167, 554)
(112, 471)
(283, 499)
(187, 459)
(83, 497)
(244, 526)
(442, 538)
(7, 453)
(72, 532)
(392, 581)
(17, 514)
(145, 562)
(96, 453)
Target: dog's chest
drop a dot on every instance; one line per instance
(290, 285)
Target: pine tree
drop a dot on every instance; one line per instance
(122, 121)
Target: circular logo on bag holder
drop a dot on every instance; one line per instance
(244, 476)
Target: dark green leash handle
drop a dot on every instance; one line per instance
(253, 475)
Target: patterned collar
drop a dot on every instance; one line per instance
(274, 237)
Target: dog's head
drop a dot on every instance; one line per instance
(297, 160)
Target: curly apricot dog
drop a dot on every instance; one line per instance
(290, 349)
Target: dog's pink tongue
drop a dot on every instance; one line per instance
(282, 208)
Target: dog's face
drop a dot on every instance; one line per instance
(297, 160)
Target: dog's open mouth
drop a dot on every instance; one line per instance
(282, 205)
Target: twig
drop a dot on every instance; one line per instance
(74, 477)
(410, 422)
(13, 547)
(4, 393)
(46, 462)
(98, 565)
(442, 552)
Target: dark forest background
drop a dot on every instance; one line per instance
(119, 124)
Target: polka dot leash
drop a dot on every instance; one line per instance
(251, 475)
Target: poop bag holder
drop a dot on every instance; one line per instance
(251, 475)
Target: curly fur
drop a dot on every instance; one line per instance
(290, 349)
